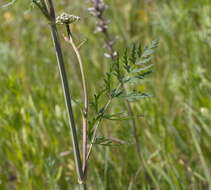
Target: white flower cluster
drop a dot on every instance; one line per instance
(65, 18)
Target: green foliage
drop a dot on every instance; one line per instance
(123, 70)
(174, 127)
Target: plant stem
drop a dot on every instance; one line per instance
(67, 96)
(85, 111)
(98, 123)
(109, 44)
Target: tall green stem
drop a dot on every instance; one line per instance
(67, 96)
(86, 103)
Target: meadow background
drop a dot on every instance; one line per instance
(175, 132)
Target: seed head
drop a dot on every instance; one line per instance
(65, 18)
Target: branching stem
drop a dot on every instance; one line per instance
(86, 102)
(102, 24)
(94, 136)
(49, 12)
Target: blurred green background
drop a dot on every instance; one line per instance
(175, 132)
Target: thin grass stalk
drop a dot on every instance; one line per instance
(85, 111)
(134, 126)
(67, 96)
(66, 91)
